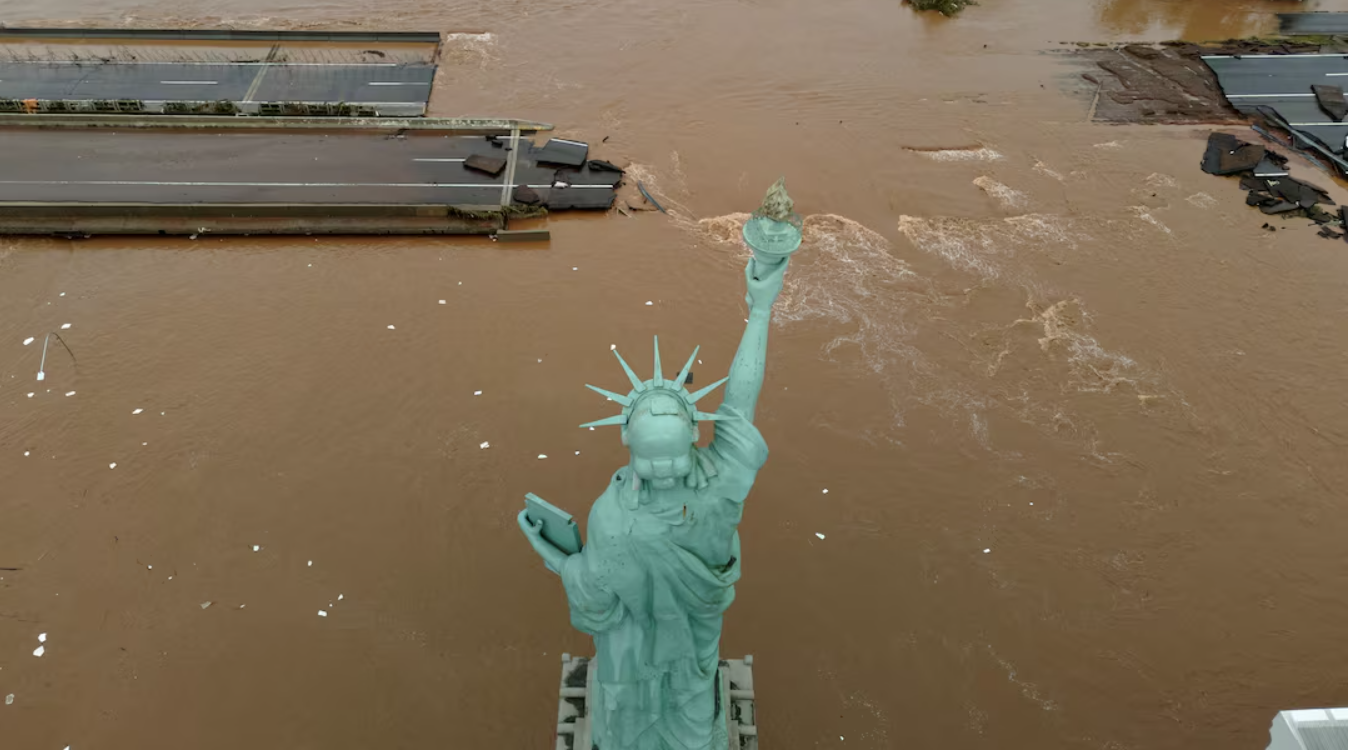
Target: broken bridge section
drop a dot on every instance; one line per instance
(217, 72)
(1300, 93)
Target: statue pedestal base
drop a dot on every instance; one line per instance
(736, 695)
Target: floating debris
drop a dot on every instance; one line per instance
(42, 638)
(322, 613)
(987, 550)
(40, 650)
(821, 536)
(542, 455)
(65, 326)
(136, 411)
(311, 564)
(391, 328)
(825, 490)
(340, 597)
(28, 340)
(485, 445)
(256, 548)
(205, 604)
(69, 394)
(9, 699)
(649, 303)
(112, 465)
(442, 302)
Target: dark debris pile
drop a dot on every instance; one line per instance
(1263, 175)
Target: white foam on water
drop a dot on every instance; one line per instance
(1202, 200)
(1044, 169)
(986, 246)
(961, 154)
(1144, 214)
(1006, 196)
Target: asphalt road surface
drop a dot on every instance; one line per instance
(238, 82)
(1284, 82)
(233, 167)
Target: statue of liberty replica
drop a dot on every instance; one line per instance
(663, 552)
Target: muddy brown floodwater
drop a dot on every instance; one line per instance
(1081, 421)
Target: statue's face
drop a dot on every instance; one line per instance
(661, 440)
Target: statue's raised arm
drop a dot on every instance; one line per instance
(773, 233)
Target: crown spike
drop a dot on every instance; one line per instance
(605, 422)
(637, 385)
(703, 416)
(659, 376)
(621, 399)
(683, 374)
(693, 399)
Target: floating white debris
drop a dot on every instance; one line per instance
(391, 328)
(649, 303)
(256, 548)
(69, 394)
(460, 283)
(821, 536)
(985, 551)
(144, 443)
(612, 347)
(149, 567)
(30, 395)
(540, 361)
(41, 637)
(112, 465)
(205, 605)
(40, 650)
(28, 340)
(339, 597)
(63, 294)
(542, 455)
(322, 613)
(485, 445)
(311, 563)
(577, 453)
(65, 326)
(825, 490)
(9, 699)
(136, 411)
(591, 429)
(25, 453)
(442, 302)
(477, 393)
(575, 268)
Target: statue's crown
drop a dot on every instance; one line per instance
(643, 388)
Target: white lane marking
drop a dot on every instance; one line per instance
(190, 83)
(282, 184)
(1318, 124)
(398, 83)
(439, 160)
(1336, 74)
(1264, 96)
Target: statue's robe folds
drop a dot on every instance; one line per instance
(651, 585)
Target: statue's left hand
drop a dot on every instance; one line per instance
(552, 557)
